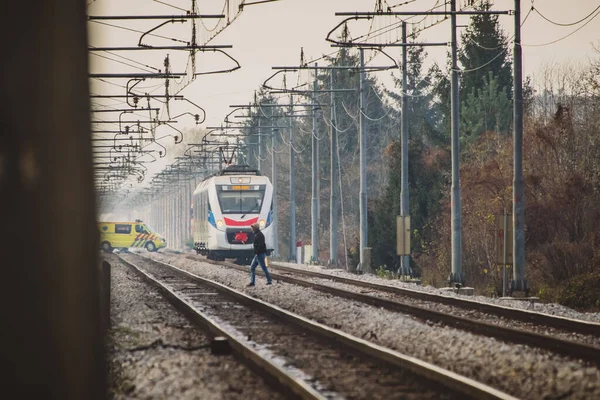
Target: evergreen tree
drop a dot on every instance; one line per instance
(486, 81)
(424, 115)
(485, 49)
(441, 94)
(484, 110)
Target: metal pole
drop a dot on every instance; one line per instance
(333, 202)
(259, 145)
(174, 217)
(456, 276)
(274, 179)
(518, 283)
(186, 210)
(292, 188)
(504, 253)
(166, 218)
(161, 225)
(363, 164)
(179, 219)
(404, 198)
(315, 177)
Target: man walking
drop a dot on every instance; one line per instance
(260, 253)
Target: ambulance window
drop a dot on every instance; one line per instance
(119, 228)
(139, 229)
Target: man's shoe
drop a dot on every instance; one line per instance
(269, 283)
(250, 285)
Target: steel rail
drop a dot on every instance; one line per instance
(449, 379)
(271, 371)
(560, 346)
(569, 324)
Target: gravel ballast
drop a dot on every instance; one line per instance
(461, 312)
(519, 370)
(154, 353)
(547, 308)
(335, 371)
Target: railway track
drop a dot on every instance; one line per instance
(557, 322)
(306, 359)
(534, 331)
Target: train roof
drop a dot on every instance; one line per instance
(239, 170)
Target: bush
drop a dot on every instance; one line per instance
(582, 292)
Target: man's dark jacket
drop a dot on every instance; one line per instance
(259, 243)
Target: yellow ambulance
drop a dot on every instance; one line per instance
(123, 235)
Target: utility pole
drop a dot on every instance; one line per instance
(363, 166)
(333, 204)
(259, 143)
(315, 176)
(404, 198)
(456, 276)
(274, 183)
(518, 283)
(292, 188)
(315, 144)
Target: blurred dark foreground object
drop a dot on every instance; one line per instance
(52, 337)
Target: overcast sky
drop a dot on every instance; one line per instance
(272, 34)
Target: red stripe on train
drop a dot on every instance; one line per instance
(232, 222)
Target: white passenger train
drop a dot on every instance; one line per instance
(224, 207)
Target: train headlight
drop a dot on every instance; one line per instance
(219, 223)
(262, 223)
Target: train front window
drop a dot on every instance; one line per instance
(244, 201)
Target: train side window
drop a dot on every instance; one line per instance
(122, 228)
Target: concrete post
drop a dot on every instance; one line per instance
(334, 196)
(518, 283)
(274, 183)
(363, 165)
(404, 190)
(292, 188)
(456, 276)
(315, 176)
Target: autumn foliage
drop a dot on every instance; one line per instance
(562, 210)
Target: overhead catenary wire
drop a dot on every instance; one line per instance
(497, 55)
(170, 5)
(124, 63)
(138, 31)
(330, 124)
(111, 83)
(289, 143)
(376, 119)
(399, 4)
(564, 37)
(354, 117)
(483, 65)
(311, 133)
(128, 59)
(218, 20)
(564, 24)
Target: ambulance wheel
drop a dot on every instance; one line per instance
(105, 246)
(150, 247)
